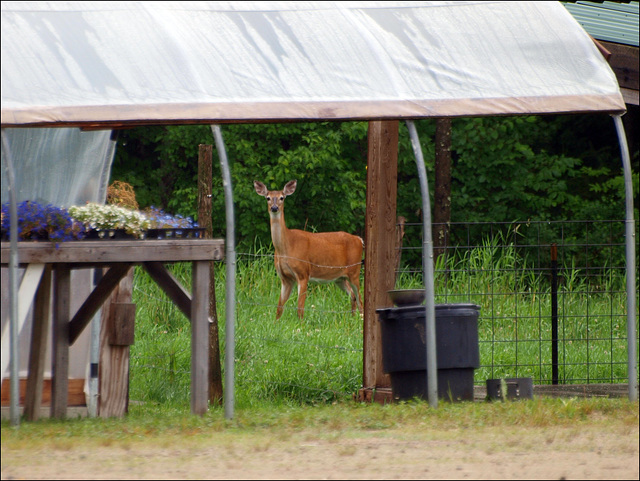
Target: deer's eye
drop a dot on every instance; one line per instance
(282, 197)
(268, 198)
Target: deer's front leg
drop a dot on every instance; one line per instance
(285, 292)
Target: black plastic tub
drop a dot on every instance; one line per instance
(404, 355)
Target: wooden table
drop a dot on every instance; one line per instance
(118, 256)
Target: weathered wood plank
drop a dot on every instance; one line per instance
(200, 338)
(75, 396)
(60, 341)
(122, 323)
(96, 299)
(379, 275)
(38, 348)
(100, 252)
(624, 63)
(113, 371)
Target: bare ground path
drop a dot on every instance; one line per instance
(417, 452)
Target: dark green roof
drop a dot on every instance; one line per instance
(615, 22)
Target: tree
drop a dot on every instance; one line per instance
(503, 169)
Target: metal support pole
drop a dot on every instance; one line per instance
(14, 384)
(94, 355)
(554, 314)
(230, 300)
(630, 239)
(427, 265)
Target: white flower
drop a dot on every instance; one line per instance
(103, 217)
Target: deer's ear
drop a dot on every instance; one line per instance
(261, 189)
(290, 188)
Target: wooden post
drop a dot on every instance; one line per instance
(60, 341)
(37, 353)
(442, 195)
(199, 337)
(399, 241)
(205, 192)
(113, 370)
(380, 236)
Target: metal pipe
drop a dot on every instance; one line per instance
(94, 355)
(427, 265)
(554, 313)
(230, 300)
(630, 239)
(14, 399)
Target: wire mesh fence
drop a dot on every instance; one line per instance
(552, 299)
(552, 295)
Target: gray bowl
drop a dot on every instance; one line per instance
(407, 297)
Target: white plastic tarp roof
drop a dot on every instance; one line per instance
(83, 63)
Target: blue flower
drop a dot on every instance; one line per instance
(161, 220)
(41, 222)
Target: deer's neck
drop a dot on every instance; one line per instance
(279, 232)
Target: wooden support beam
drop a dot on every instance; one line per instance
(60, 341)
(200, 338)
(113, 371)
(96, 299)
(171, 286)
(38, 349)
(380, 235)
(121, 323)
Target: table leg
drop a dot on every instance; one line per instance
(200, 337)
(60, 344)
(37, 353)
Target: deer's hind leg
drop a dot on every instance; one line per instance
(346, 286)
(354, 283)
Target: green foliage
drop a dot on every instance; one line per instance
(514, 168)
(328, 160)
(503, 169)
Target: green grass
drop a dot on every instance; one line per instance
(315, 360)
(147, 421)
(319, 359)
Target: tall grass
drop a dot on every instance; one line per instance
(515, 328)
(319, 359)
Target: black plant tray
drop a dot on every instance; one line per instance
(121, 234)
(150, 234)
(178, 233)
(108, 234)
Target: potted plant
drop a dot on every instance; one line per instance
(110, 220)
(163, 225)
(42, 222)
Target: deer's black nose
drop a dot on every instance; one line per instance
(274, 208)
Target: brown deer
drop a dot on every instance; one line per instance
(302, 256)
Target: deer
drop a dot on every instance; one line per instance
(302, 256)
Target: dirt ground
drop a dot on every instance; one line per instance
(478, 453)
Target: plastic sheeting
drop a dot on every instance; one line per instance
(63, 166)
(97, 63)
